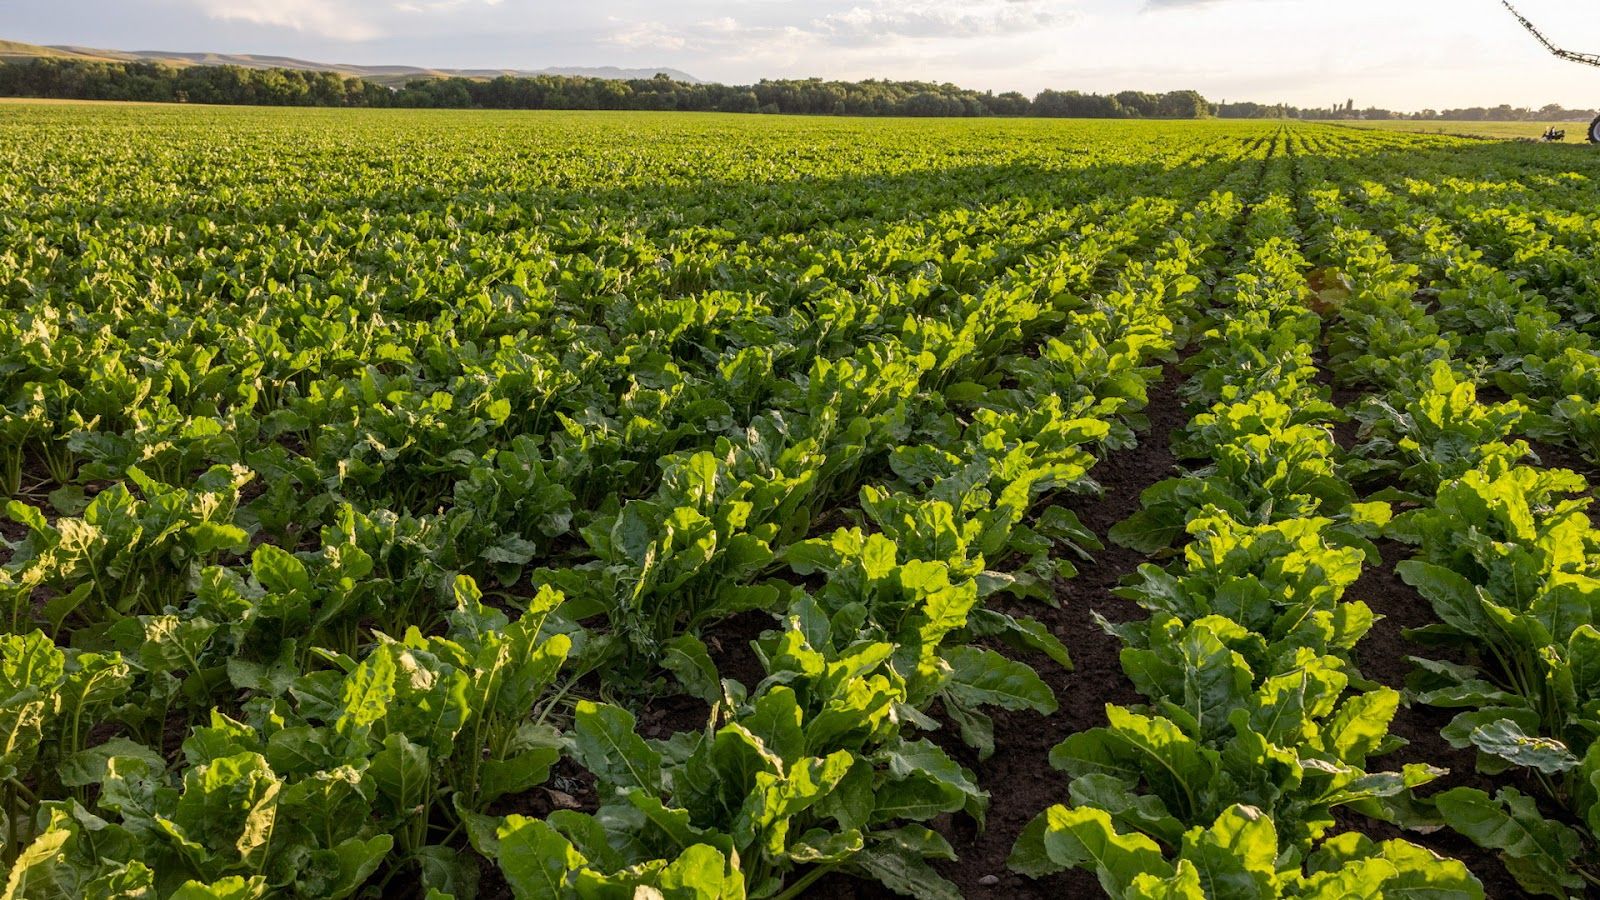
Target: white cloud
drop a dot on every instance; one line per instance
(930, 20)
(725, 38)
(648, 36)
(343, 20)
(866, 34)
(314, 16)
(433, 6)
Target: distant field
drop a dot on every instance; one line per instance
(1501, 130)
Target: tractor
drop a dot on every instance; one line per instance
(1589, 59)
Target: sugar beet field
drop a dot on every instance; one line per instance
(416, 504)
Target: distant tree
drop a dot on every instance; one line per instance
(83, 79)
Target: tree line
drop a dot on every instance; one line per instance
(1553, 112)
(69, 79)
(155, 82)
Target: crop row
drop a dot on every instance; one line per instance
(1504, 552)
(1225, 784)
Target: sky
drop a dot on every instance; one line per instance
(1400, 54)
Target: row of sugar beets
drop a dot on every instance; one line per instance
(1503, 548)
(1257, 725)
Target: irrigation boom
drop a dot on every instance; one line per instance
(1588, 59)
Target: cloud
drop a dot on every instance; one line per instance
(649, 36)
(434, 6)
(352, 20)
(884, 26)
(1159, 5)
(314, 16)
(935, 20)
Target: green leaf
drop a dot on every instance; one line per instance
(232, 801)
(687, 658)
(367, 693)
(446, 871)
(1455, 599)
(604, 741)
(824, 847)
(1029, 855)
(43, 872)
(1138, 811)
(231, 888)
(981, 677)
(1459, 731)
(701, 872)
(88, 767)
(776, 798)
(1538, 852)
(1086, 837)
(904, 872)
(535, 859)
(403, 775)
(499, 777)
(354, 860)
(1360, 726)
(279, 571)
(1506, 739)
(1236, 856)
(1184, 884)
(1148, 531)
(1422, 875)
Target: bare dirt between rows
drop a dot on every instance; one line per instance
(1383, 656)
(1018, 776)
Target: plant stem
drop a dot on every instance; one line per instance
(805, 881)
(20, 789)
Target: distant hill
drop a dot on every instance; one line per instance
(13, 50)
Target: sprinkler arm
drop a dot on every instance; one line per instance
(1590, 59)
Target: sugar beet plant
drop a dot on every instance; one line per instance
(579, 506)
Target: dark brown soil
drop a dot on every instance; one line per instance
(662, 717)
(1555, 456)
(1345, 434)
(10, 533)
(36, 480)
(174, 731)
(570, 787)
(729, 644)
(1344, 396)
(1018, 776)
(1492, 393)
(1383, 656)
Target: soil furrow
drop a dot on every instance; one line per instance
(1019, 776)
